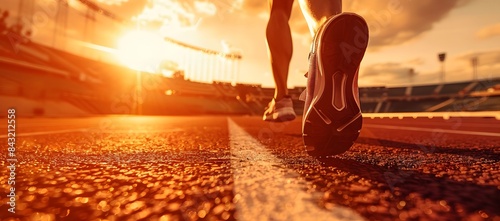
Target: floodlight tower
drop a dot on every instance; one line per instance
(442, 58)
(474, 62)
(411, 75)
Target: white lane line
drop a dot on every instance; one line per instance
(266, 190)
(137, 131)
(433, 130)
(89, 130)
(46, 132)
(444, 115)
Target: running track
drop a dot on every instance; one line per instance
(240, 168)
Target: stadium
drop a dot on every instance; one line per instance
(96, 140)
(94, 88)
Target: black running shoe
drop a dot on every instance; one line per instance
(332, 115)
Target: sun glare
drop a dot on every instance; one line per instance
(141, 50)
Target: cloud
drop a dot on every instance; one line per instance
(205, 7)
(177, 13)
(112, 2)
(416, 62)
(391, 22)
(394, 22)
(394, 74)
(253, 6)
(485, 58)
(385, 69)
(489, 31)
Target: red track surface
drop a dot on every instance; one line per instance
(179, 168)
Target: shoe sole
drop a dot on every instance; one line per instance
(333, 120)
(287, 114)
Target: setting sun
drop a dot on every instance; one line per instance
(141, 50)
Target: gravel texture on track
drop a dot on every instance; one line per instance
(179, 168)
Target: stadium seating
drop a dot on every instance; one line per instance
(39, 72)
(396, 92)
(9, 87)
(226, 89)
(487, 104)
(454, 89)
(412, 106)
(190, 88)
(465, 104)
(368, 107)
(484, 85)
(425, 90)
(373, 92)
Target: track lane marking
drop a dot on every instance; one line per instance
(46, 132)
(430, 130)
(444, 115)
(88, 130)
(266, 190)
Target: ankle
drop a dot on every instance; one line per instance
(278, 98)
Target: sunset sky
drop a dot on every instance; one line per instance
(404, 34)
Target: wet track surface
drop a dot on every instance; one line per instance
(189, 168)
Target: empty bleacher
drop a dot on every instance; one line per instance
(454, 88)
(413, 106)
(191, 88)
(226, 89)
(9, 87)
(465, 104)
(426, 90)
(373, 92)
(396, 92)
(368, 107)
(268, 93)
(484, 85)
(488, 104)
(34, 82)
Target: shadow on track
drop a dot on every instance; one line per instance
(463, 198)
(489, 154)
